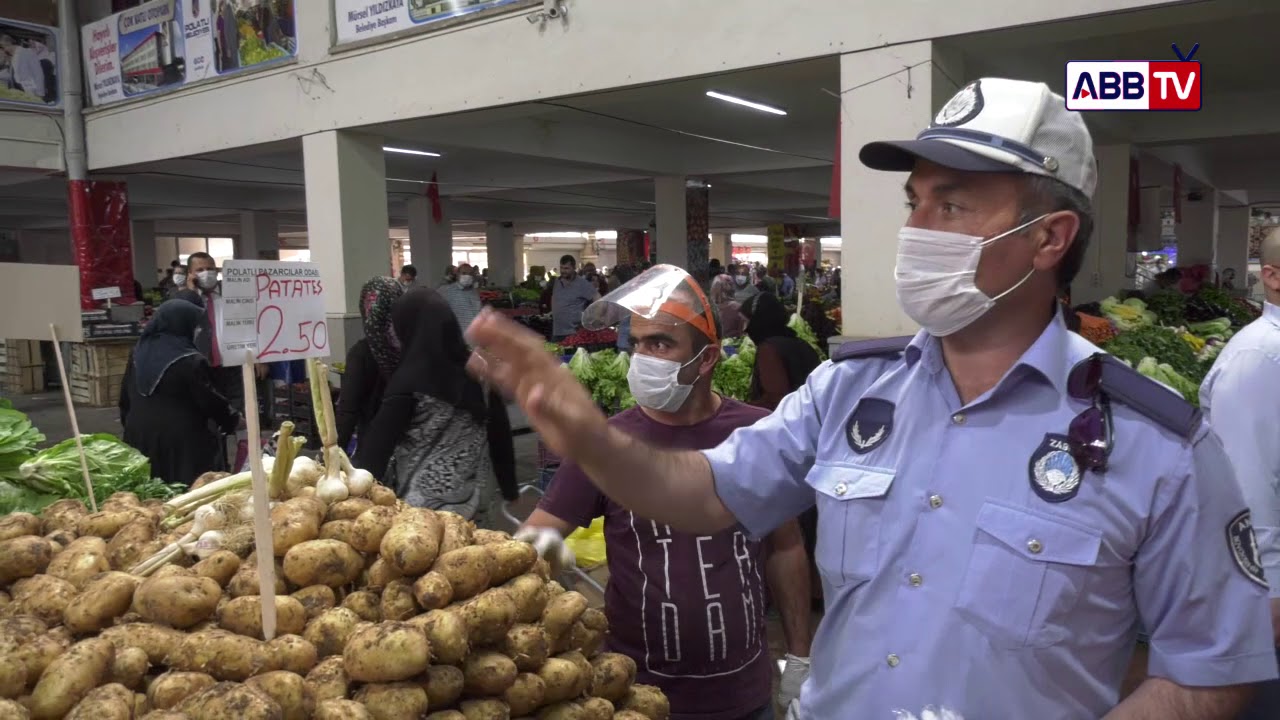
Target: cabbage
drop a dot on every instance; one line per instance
(112, 464)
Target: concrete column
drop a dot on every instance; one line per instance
(430, 242)
(871, 201)
(1151, 227)
(1105, 268)
(721, 248)
(673, 231)
(145, 263)
(259, 236)
(1232, 249)
(1198, 232)
(500, 243)
(348, 229)
(697, 227)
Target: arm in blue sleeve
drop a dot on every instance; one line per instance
(1210, 621)
(1245, 413)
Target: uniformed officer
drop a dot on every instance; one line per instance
(999, 505)
(1241, 396)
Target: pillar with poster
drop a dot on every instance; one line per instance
(776, 249)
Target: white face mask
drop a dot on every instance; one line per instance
(740, 279)
(935, 278)
(466, 281)
(180, 279)
(207, 279)
(655, 382)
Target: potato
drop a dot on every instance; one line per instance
(243, 616)
(23, 557)
(62, 515)
(316, 599)
(595, 619)
(170, 689)
(178, 601)
(292, 653)
(467, 569)
(380, 574)
(383, 496)
(62, 537)
(328, 680)
(447, 715)
(562, 711)
(288, 690)
(489, 616)
(458, 532)
(13, 710)
(245, 581)
(43, 596)
(596, 708)
(341, 710)
(109, 702)
(487, 674)
(322, 562)
(530, 595)
(525, 694)
(444, 685)
(528, 646)
(370, 526)
(104, 523)
(81, 560)
(338, 530)
(230, 701)
(562, 612)
(432, 591)
(584, 639)
(447, 634)
(612, 675)
(348, 509)
(18, 524)
(157, 642)
(105, 598)
(482, 536)
(364, 603)
(393, 701)
(219, 567)
(330, 630)
(398, 602)
(511, 559)
(39, 652)
(487, 709)
(127, 546)
(293, 523)
(222, 654)
(13, 676)
(648, 701)
(83, 667)
(411, 546)
(129, 667)
(123, 497)
(563, 679)
(387, 652)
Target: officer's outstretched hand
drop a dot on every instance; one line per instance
(550, 546)
(512, 359)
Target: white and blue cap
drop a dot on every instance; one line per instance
(999, 125)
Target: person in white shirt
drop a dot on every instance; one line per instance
(1241, 396)
(463, 296)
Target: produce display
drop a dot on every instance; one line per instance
(151, 609)
(19, 96)
(604, 374)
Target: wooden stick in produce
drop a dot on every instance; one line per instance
(71, 412)
(261, 504)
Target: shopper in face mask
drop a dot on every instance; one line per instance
(463, 296)
(689, 609)
(999, 503)
(743, 287)
(202, 277)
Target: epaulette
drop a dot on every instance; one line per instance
(1151, 399)
(878, 347)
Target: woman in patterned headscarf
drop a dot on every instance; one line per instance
(370, 361)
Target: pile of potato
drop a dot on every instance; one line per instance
(384, 612)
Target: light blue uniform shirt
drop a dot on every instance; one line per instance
(1241, 396)
(951, 581)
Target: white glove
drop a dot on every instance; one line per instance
(930, 713)
(794, 673)
(550, 546)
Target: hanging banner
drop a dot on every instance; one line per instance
(777, 249)
(273, 310)
(362, 19)
(165, 44)
(29, 73)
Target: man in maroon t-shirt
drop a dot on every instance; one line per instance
(689, 609)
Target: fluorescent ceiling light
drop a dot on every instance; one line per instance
(745, 103)
(407, 151)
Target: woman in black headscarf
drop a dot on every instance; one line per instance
(783, 361)
(439, 439)
(168, 401)
(370, 361)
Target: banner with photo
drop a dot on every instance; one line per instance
(363, 19)
(29, 74)
(164, 44)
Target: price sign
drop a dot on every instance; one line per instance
(106, 293)
(273, 309)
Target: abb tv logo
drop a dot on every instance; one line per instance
(1135, 85)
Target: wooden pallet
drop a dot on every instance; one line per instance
(96, 392)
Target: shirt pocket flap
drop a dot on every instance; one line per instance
(1039, 537)
(850, 483)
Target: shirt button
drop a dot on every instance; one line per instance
(935, 501)
(892, 660)
(958, 418)
(915, 579)
(1034, 546)
(841, 488)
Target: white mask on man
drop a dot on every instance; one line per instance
(180, 279)
(207, 279)
(741, 280)
(655, 382)
(466, 281)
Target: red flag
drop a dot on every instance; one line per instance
(833, 204)
(433, 193)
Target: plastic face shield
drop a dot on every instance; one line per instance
(663, 292)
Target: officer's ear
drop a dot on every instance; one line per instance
(1057, 233)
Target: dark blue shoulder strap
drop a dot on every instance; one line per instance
(878, 347)
(1151, 399)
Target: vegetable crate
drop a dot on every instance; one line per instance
(97, 372)
(21, 367)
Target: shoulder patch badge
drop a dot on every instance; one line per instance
(1055, 475)
(962, 107)
(870, 425)
(1244, 547)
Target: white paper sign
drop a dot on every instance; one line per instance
(272, 309)
(364, 19)
(106, 293)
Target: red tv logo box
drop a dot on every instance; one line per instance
(1133, 85)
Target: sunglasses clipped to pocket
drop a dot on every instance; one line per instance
(1090, 433)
